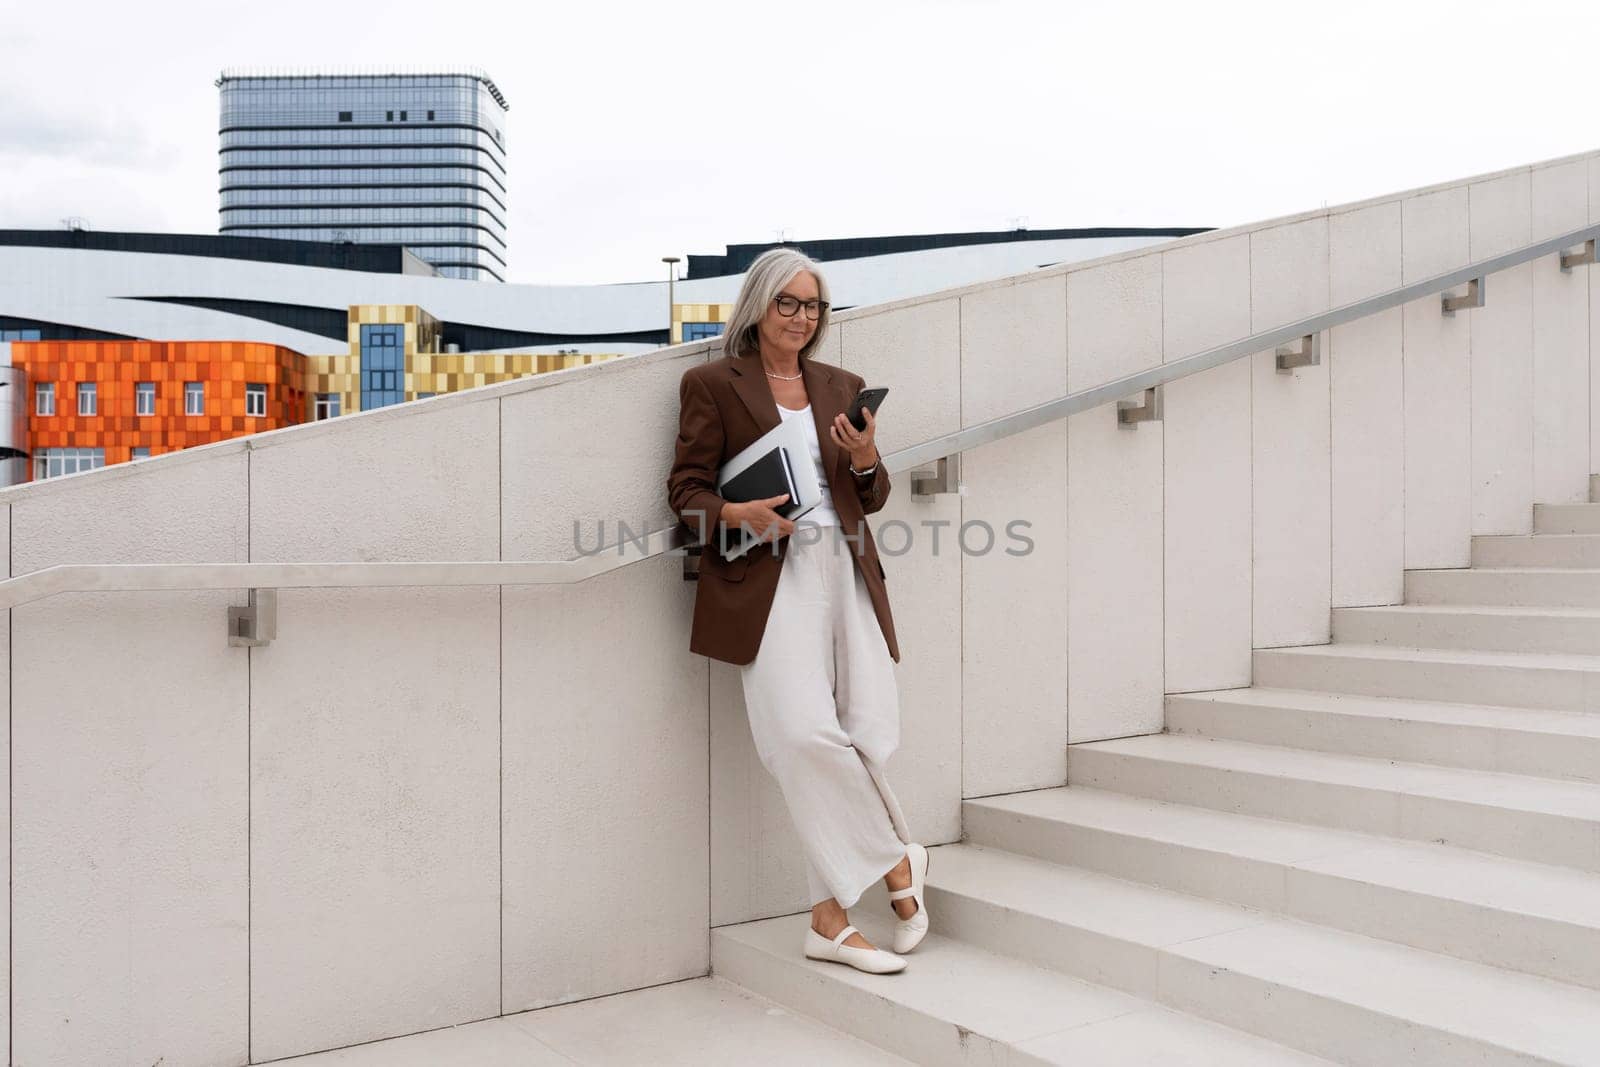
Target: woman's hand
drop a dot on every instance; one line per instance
(859, 443)
(760, 517)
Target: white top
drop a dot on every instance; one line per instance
(823, 514)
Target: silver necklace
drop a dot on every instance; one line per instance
(781, 378)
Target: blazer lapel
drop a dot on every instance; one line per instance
(826, 402)
(822, 391)
(750, 382)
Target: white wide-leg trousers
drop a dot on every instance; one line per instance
(825, 716)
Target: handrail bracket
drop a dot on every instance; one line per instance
(945, 478)
(1473, 299)
(1133, 412)
(1578, 259)
(1308, 354)
(257, 623)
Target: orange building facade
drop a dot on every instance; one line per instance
(95, 403)
(107, 399)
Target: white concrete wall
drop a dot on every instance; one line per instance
(1501, 373)
(603, 770)
(1437, 357)
(130, 787)
(420, 807)
(1206, 476)
(5, 809)
(1593, 279)
(1560, 201)
(1289, 443)
(1366, 381)
(375, 738)
(1012, 721)
(1114, 587)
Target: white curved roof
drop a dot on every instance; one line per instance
(97, 289)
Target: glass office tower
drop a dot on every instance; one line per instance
(411, 159)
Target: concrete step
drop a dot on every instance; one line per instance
(1551, 744)
(1537, 550)
(1524, 916)
(690, 1023)
(959, 1004)
(1566, 518)
(1557, 681)
(1539, 587)
(1483, 628)
(1540, 819)
(1352, 999)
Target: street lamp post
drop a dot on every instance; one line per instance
(671, 262)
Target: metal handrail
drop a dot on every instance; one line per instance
(148, 577)
(1129, 385)
(129, 577)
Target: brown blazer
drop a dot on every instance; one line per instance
(724, 406)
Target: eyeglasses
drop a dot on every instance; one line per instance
(789, 305)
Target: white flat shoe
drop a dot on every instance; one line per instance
(871, 960)
(908, 933)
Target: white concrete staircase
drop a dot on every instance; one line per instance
(1387, 851)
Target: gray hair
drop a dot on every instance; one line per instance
(771, 271)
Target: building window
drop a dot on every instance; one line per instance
(44, 398)
(144, 398)
(54, 462)
(194, 398)
(430, 116)
(699, 331)
(86, 398)
(402, 116)
(327, 406)
(346, 116)
(19, 335)
(141, 452)
(388, 116)
(382, 366)
(255, 399)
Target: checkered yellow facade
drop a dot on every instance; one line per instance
(449, 372)
(428, 370)
(341, 373)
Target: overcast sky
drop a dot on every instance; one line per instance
(643, 129)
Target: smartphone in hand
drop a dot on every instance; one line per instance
(869, 399)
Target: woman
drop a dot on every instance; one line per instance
(804, 614)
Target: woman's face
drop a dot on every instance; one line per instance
(784, 336)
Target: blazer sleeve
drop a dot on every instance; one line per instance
(692, 482)
(874, 488)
